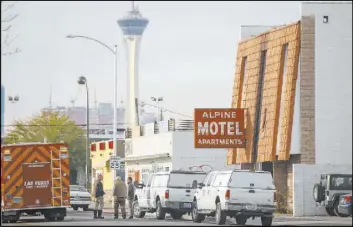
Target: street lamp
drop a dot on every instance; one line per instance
(14, 99)
(115, 104)
(83, 81)
(158, 101)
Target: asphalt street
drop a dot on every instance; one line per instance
(80, 218)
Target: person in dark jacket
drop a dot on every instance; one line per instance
(130, 196)
(98, 194)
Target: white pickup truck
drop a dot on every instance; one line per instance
(79, 197)
(241, 194)
(167, 192)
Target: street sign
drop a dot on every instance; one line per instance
(219, 128)
(116, 163)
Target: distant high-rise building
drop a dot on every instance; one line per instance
(100, 119)
(133, 26)
(3, 100)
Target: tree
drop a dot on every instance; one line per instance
(7, 17)
(52, 127)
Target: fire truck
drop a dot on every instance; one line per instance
(35, 178)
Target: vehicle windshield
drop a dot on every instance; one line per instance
(341, 182)
(258, 180)
(76, 188)
(185, 180)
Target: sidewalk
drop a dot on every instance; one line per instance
(108, 207)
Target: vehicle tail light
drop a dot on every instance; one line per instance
(227, 195)
(166, 194)
(275, 197)
(348, 199)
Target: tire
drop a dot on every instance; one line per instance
(176, 215)
(85, 208)
(318, 193)
(196, 216)
(160, 212)
(136, 210)
(221, 216)
(330, 211)
(5, 219)
(335, 209)
(75, 208)
(241, 220)
(61, 218)
(49, 217)
(14, 218)
(266, 221)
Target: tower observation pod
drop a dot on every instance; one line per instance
(132, 26)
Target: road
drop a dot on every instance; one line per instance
(80, 218)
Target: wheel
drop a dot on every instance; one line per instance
(176, 215)
(5, 219)
(136, 210)
(160, 212)
(266, 221)
(75, 208)
(241, 220)
(49, 217)
(60, 218)
(14, 218)
(318, 193)
(221, 216)
(330, 211)
(85, 208)
(196, 216)
(335, 209)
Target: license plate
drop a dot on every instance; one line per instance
(251, 207)
(187, 205)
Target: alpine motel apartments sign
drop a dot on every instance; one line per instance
(219, 128)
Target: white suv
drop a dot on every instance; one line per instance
(239, 193)
(167, 193)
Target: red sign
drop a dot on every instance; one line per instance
(219, 128)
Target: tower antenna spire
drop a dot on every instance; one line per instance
(133, 5)
(50, 97)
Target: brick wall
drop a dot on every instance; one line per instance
(283, 179)
(307, 90)
(246, 92)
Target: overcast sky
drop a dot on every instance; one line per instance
(188, 51)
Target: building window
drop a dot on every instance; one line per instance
(259, 104)
(282, 83)
(244, 83)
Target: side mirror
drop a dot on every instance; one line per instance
(140, 185)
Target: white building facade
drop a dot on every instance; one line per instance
(169, 148)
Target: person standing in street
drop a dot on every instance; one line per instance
(119, 193)
(98, 194)
(130, 196)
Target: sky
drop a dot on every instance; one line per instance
(187, 54)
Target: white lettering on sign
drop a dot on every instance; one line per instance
(220, 141)
(219, 128)
(219, 114)
(36, 184)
